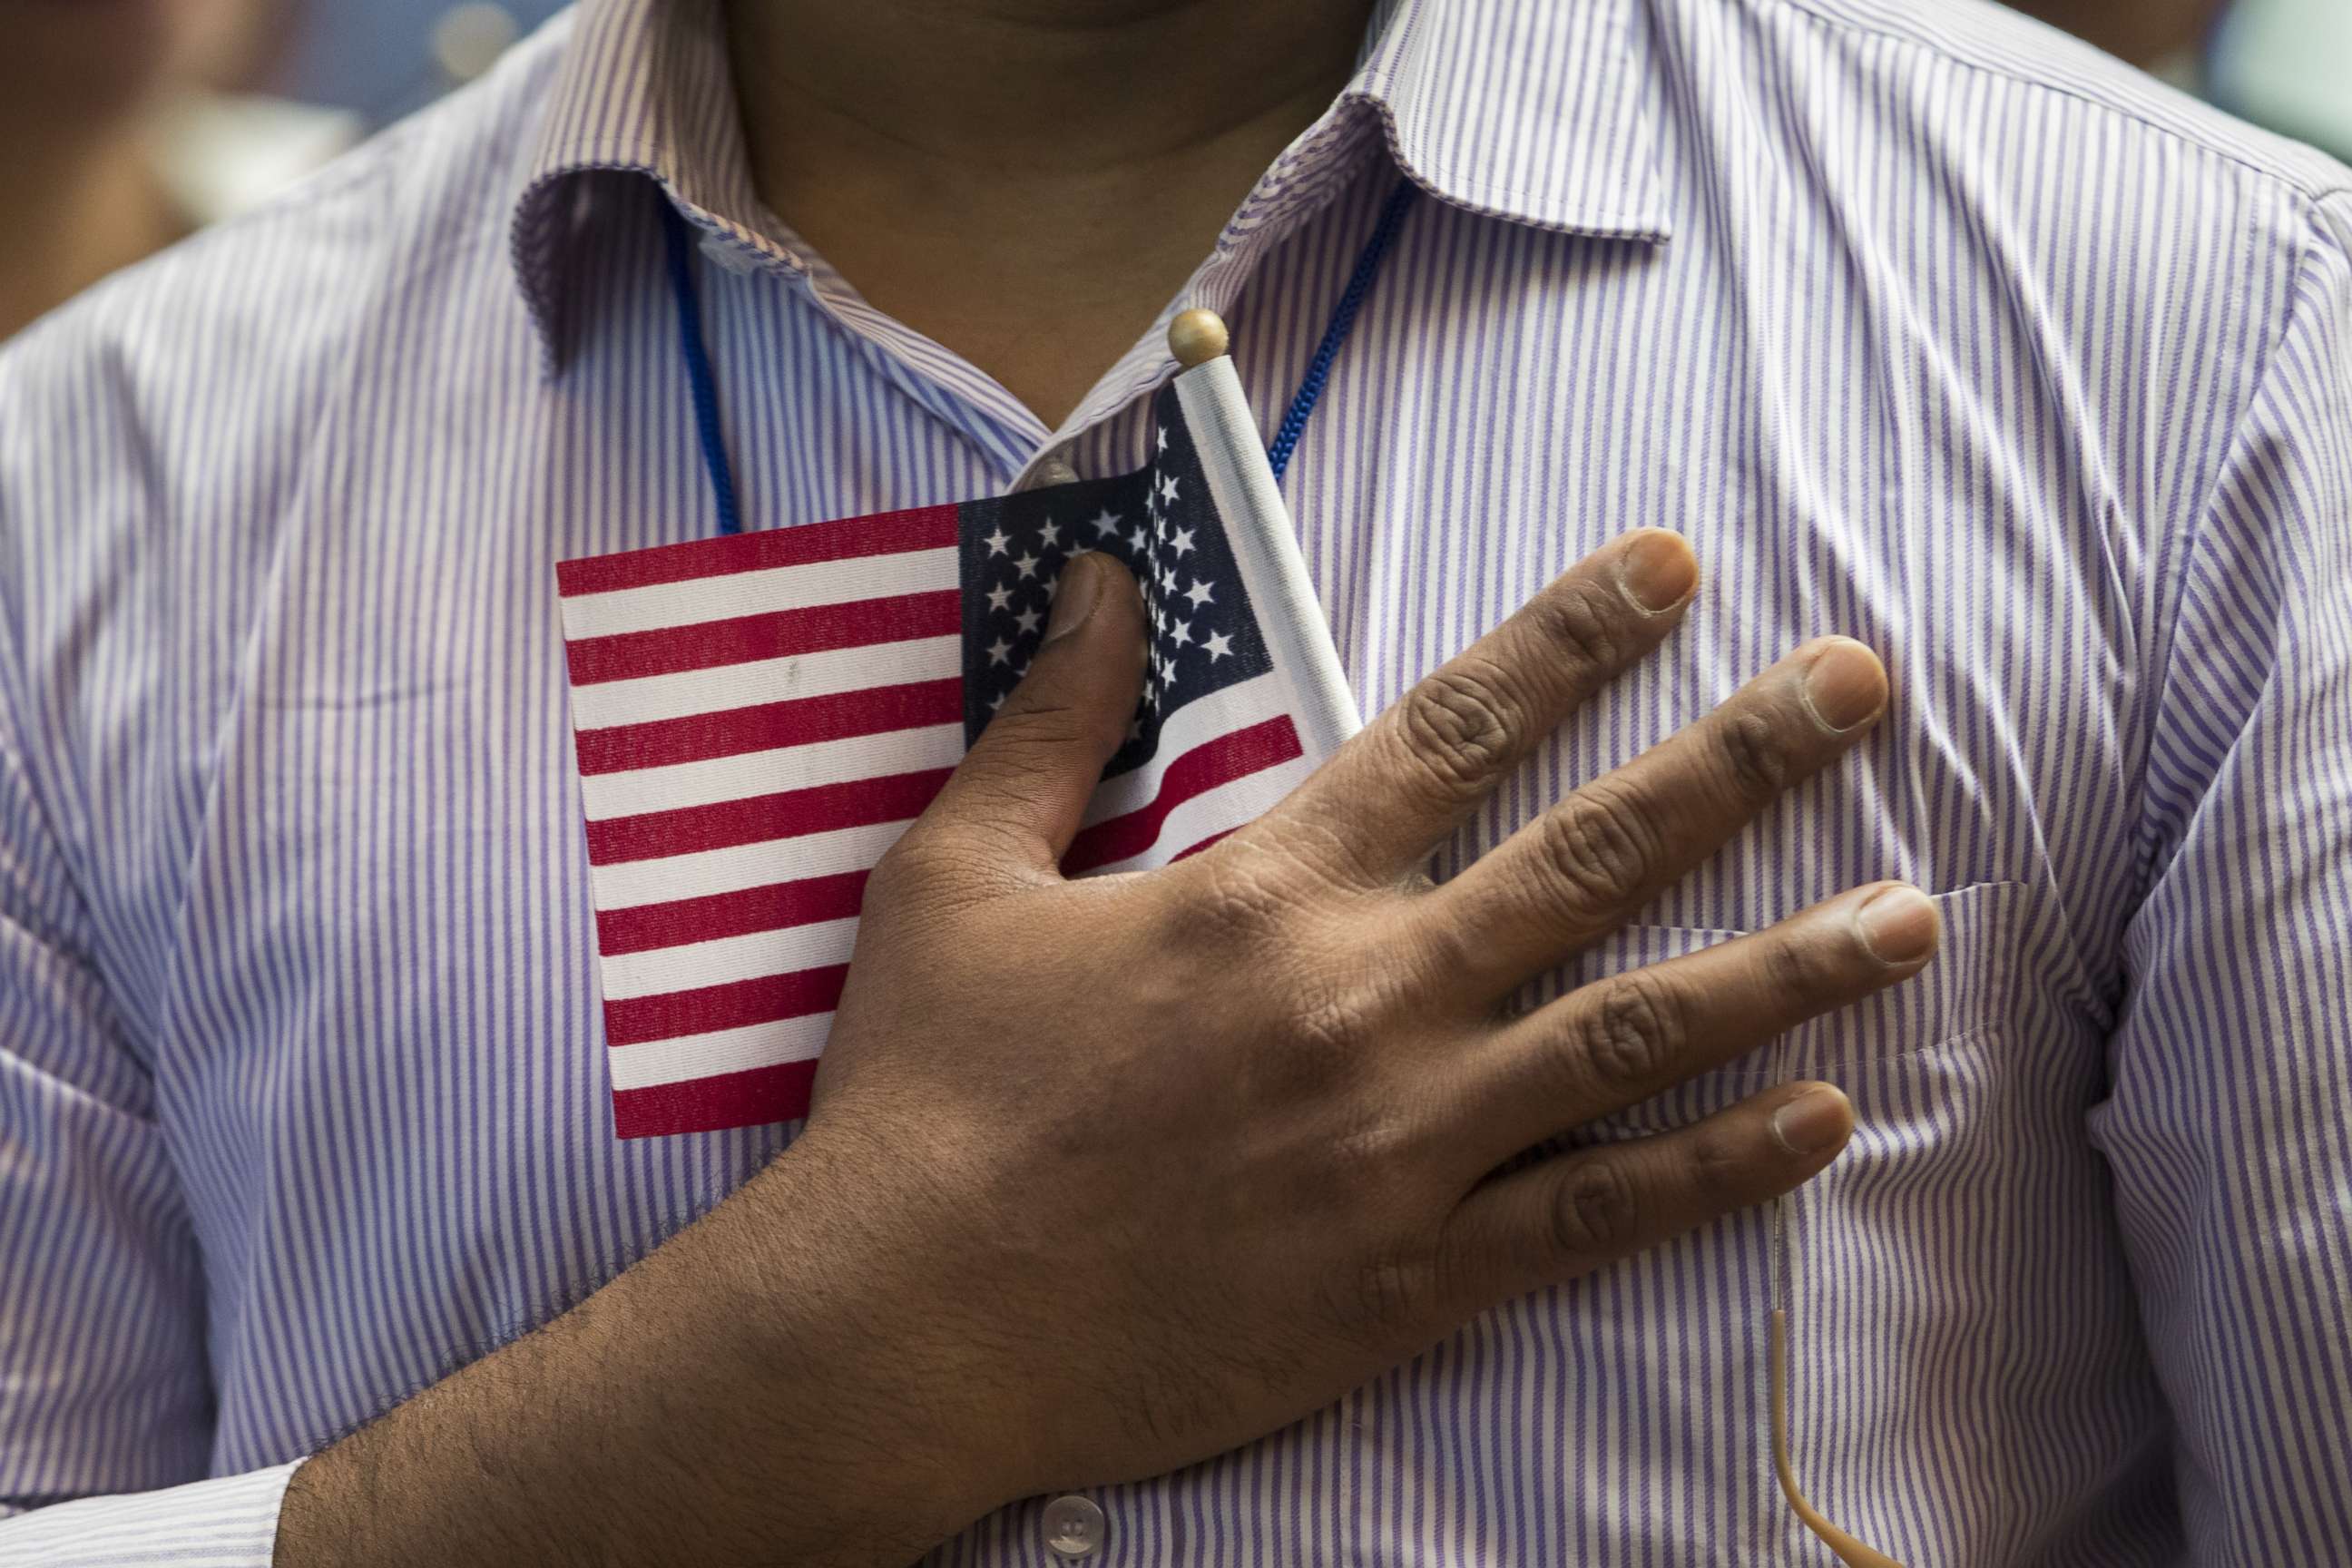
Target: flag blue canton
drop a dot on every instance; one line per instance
(1161, 523)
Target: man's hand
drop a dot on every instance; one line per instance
(1106, 1176)
(1197, 1149)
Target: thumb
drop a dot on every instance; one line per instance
(1027, 779)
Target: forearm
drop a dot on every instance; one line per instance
(764, 1388)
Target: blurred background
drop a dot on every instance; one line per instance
(126, 123)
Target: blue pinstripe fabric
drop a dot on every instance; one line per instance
(1923, 323)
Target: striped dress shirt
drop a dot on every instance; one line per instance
(1923, 323)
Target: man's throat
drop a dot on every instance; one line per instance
(1027, 192)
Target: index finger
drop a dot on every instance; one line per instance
(1381, 806)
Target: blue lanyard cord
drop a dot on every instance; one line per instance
(1318, 370)
(705, 385)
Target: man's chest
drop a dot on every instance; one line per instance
(390, 817)
(383, 1047)
(385, 1007)
(392, 1071)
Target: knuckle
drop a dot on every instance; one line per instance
(1719, 1171)
(1586, 622)
(1594, 1214)
(1371, 1299)
(1371, 1151)
(1329, 1035)
(1327, 1032)
(1752, 753)
(1599, 847)
(1631, 1040)
(1374, 1201)
(903, 872)
(1247, 898)
(1376, 1161)
(1803, 970)
(929, 868)
(1457, 726)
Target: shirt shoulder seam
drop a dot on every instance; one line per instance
(2284, 178)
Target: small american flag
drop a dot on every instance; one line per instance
(757, 718)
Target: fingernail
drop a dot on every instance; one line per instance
(1657, 570)
(1845, 685)
(1899, 925)
(1074, 598)
(1817, 1120)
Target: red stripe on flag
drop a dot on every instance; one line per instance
(884, 533)
(776, 633)
(717, 915)
(747, 1098)
(737, 1005)
(1239, 754)
(788, 814)
(796, 722)
(1205, 843)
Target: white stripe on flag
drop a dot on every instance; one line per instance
(1212, 811)
(689, 1056)
(730, 871)
(650, 698)
(1194, 724)
(609, 796)
(658, 972)
(669, 606)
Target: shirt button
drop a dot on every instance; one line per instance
(1073, 1526)
(1054, 470)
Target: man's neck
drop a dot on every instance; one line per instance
(1026, 181)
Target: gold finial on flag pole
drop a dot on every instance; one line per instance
(1195, 337)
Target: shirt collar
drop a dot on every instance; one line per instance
(1534, 111)
(642, 87)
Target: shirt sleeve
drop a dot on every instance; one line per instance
(231, 1522)
(105, 1389)
(2228, 1119)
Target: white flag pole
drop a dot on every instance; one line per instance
(1274, 572)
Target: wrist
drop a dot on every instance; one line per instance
(851, 1307)
(787, 1365)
